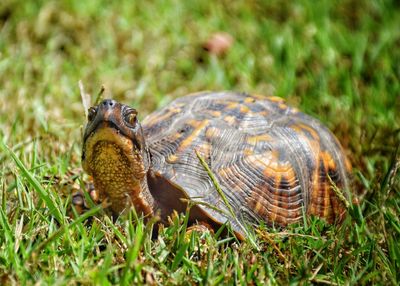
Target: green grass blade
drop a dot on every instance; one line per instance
(43, 193)
(249, 236)
(133, 252)
(6, 229)
(215, 183)
(179, 255)
(64, 228)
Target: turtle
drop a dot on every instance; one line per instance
(235, 158)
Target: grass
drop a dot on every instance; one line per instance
(336, 60)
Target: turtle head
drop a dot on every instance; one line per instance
(115, 154)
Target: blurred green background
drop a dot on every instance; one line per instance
(327, 57)
(336, 60)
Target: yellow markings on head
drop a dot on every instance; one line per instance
(108, 152)
(253, 140)
(115, 178)
(117, 168)
(199, 126)
(105, 134)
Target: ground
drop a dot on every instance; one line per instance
(336, 60)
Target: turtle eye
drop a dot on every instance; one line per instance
(91, 113)
(130, 117)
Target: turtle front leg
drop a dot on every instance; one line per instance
(79, 201)
(200, 227)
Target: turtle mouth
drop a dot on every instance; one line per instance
(110, 134)
(98, 125)
(112, 126)
(115, 165)
(112, 119)
(117, 124)
(115, 155)
(101, 123)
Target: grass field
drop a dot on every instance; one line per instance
(336, 60)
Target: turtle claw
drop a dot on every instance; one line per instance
(79, 202)
(78, 199)
(200, 227)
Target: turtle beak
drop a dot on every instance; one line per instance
(108, 112)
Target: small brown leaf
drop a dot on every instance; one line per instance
(218, 44)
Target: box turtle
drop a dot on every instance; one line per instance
(271, 162)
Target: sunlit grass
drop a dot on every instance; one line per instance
(338, 61)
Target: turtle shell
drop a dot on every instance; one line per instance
(272, 162)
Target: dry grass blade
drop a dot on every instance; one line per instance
(316, 272)
(284, 234)
(321, 58)
(339, 193)
(99, 96)
(85, 98)
(271, 242)
(390, 177)
(193, 202)
(323, 281)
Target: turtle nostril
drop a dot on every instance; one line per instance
(107, 103)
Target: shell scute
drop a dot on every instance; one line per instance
(272, 162)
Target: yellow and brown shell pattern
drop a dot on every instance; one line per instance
(271, 161)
